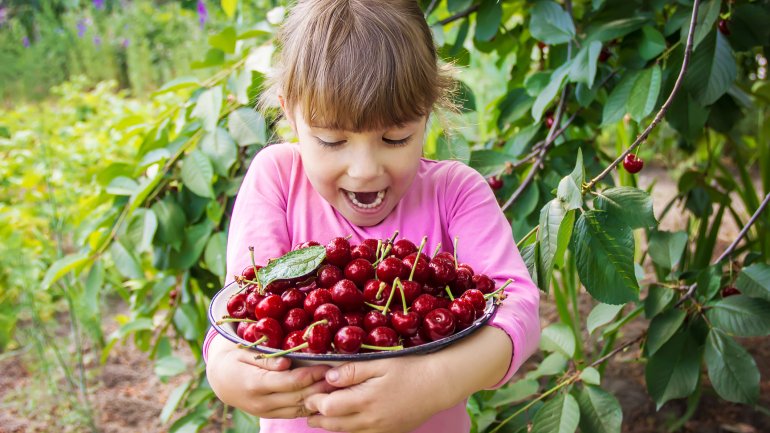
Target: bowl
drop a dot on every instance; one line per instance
(218, 310)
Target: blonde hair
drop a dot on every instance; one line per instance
(359, 65)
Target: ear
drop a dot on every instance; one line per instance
(287, 113)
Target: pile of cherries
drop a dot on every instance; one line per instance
(379, 295)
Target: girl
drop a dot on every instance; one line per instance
(357, 80)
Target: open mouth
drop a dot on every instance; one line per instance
(366, 200)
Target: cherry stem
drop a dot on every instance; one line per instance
(256, 343)
(417, 259)
(313, 325)
(233, 319)
(455, 252)
(449, 292)
(489, 295)
(390, 296)
(379, 291)
(256, 271)
(438, 248)
(393, 238)
(284, 352)
(382, 348)
(401, 289)
(385, 253)
(377, 252)
(376, 307)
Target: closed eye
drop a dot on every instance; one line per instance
(396, 142)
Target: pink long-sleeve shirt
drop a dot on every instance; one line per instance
(277, 208)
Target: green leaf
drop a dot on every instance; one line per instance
(583, 68)
(215, 254)
(220, 149)
(732, 370)
(666, 248)
(169, 366)
(558, 337)
(604, 32)
(644, 93)
(545, 97)
(662, 328)
(687, 116)
(652, 44)
(247, 127)
(754, 281)
(174, 398)
(195, 239)
(709, 281)
(570, 192)
(171, 222)
(741, 316)
(465, 99)
(122, 185)
(513, 392)
(708, 13)
(125, 261)
(193, 421)
(141, 229)
(178, 83)
(454, 148)
(601, 315)
(61, 267)
(630, 205)
(198, 174)
(658, 298)
(604, 252)
(513, 106)
(224, 40)
(551, 217)
(552, 364)
(488, 19)
(615, 108)
(458, 5)
(712, 70)
(244, 422)
(550, 23)
(672, 372)
(591, 376)
(531, 255)
(292, 265)
(229, 7)
(561, 414)
(136, 325)
(599, 411)
(488, 162)
(188, 321)
(207, 108)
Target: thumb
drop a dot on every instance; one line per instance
(272, 364)
(349, 374)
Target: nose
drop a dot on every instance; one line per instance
(364, 164)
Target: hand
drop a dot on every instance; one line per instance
(388, 395)
(266, 388)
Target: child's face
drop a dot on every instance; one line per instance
(362, 174)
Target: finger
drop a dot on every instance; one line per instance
(341, 424)
(342, 402)
(352, 373)
(274, 364)
(291, 380)
(287, 413)
(292, 404)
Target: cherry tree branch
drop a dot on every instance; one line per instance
(663, 109)
(458, 15)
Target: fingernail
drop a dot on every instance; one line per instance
(332, 376)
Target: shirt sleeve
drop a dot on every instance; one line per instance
(259, 215)
(485, 241)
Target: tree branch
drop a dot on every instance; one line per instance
(663, 109)
(458, 15)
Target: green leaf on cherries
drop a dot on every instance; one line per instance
(600, 411)
(292, 265)
(732, 370)
(630, 205)
(560, 414)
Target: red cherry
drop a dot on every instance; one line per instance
(632, 163)
(463, 281)
(483, 283)
(332, 314)
(446, 256)
(265, 327)
(347, 296)
(319, 339)
(442, 302)
(374, 319)
(316, 298)
(382, 336)
(415, 340)
(549, 120)
(328, 275)
(338, 252)
(271, 306)
(433, 289)
(403, 247)
(293, 339)
(354, 319)
(438, 324)
(295, 320)
(466, 266)
(371, 243)
(293, 298)
(359, 271)
(363, 252)
(376, 292)
(236, 306)
(412, 290)
(278, 287)
(252, 299)
(724, 27)
(463, 312)
(241, 328)
(730, 291)
(405, 323)
(442, 271)
(349, 339)
(495, 182)
(390, 269)
(541, 45)
(305, 245)
(604, 55)
(476, 299)
(424, 304)
(250, 272)
(421, 271)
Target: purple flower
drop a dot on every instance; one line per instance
(203, 13)
(97, 40)
(82, 26)
(125, 42)
(3, 15)
(98, 4)
(25, 42)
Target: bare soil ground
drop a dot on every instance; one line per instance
(127, 397)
